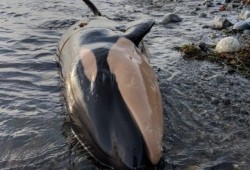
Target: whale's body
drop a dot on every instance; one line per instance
(111, 92)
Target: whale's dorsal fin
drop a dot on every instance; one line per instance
(138, 29)
(92, 7)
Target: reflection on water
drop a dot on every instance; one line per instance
(206, 122)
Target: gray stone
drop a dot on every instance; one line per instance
(197, 8)
(228, 44)
(202, 15)
(245, 14)
(170, 17)
(242, 25)
(219, 79)
(220, 23)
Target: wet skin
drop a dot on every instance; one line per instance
(112, 93)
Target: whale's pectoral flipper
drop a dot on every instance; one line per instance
(138, 29)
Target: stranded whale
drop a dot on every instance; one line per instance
(111, 91)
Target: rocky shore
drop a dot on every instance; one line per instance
(230, 45)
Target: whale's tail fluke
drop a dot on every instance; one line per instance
(92, 7)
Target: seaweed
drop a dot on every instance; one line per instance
(238, 61)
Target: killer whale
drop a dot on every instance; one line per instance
(112, 93)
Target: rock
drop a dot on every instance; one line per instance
(202, 15)
(219, 79)
(227, 1)
(220, 23)
(229, 7)
(245, 14)
(228, 44)
(208, 3)
(204, 47)
(242, 25)
(197, 8)
(170, 17)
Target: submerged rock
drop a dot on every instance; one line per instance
(220, 23)
(228, 44)
(170, 17)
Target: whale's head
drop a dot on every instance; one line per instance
(117, 110)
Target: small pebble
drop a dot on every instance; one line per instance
(197, 8)
(228, 44)
(219, 79)
(202, 15)
(168, 18)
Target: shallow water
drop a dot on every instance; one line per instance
(206, 122)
